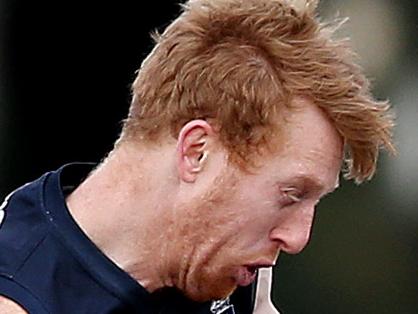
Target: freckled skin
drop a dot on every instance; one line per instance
(198, 230)
(242, 217)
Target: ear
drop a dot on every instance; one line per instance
(192, 149)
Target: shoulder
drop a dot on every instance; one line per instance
(8, 306)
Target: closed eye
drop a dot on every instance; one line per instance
(293, 197)
(292, 194)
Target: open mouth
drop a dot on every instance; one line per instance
(252, 269)
(246, 275)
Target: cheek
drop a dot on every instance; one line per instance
(251, 228)
(238, 219)
(259, 204)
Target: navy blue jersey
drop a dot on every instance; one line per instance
(48, 265)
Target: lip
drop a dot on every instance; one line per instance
(248, 273)
(246, 276)
(262, 263)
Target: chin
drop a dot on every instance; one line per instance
(212, 290)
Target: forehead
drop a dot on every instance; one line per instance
(308, 124)
(311, 148)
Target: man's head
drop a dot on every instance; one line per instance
(227, 222)
(260, 105)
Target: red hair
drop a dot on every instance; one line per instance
(239, 63)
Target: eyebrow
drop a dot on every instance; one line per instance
(314, 184)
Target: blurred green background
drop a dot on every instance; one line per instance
(65, 70)
(363, 255)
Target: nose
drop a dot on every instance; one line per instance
(293, 230)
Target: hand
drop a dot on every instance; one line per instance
(263, 304)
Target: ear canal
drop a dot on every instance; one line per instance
(203, 157)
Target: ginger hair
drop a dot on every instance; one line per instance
(238, 63)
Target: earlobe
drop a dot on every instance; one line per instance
(193, 149)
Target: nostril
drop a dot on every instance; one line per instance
(291, 240)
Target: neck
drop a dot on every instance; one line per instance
(122, 207)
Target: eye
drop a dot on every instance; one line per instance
(291, 195)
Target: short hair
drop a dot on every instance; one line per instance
(239, 62)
